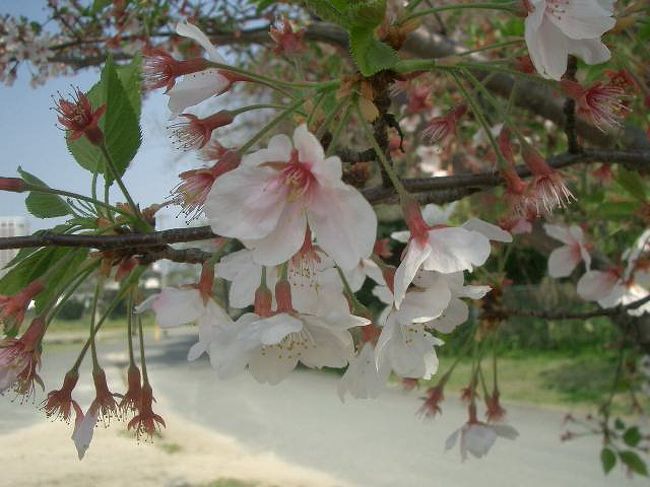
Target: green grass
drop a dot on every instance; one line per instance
(82, 325)
(557, 379)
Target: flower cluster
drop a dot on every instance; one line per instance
(617, 285)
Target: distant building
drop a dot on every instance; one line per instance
(11, 226)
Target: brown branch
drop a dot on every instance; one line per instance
(530, 95)
(570, 109)
(136, 241)
(567, 315)
(442, 190)
(461, 185)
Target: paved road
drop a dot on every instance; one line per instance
(366, 443)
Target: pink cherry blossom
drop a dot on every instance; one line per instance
(276, 193)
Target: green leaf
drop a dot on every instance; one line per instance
(619, 424)
(368, 14)
(607, 459)
(632, 436)
(30, 268)
(327, 10)
(371, 55)
(618, 209)
(634, 462)
(43, 205)
(60, 277)
(119, 90)
(631, 182)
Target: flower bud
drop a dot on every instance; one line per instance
(13, 185)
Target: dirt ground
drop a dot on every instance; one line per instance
(185, 455)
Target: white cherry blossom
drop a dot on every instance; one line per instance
(362, 379)
(82, 435)
(176, 307)
(457, 311)
(273, 346)
(566, 258)
(197, 87)
(557, 28)
(477, 438)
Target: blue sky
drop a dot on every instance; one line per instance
(31, 139)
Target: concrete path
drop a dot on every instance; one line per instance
(363, 443)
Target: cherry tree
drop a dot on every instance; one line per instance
(412, 151)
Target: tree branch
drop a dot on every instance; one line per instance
(442, 190)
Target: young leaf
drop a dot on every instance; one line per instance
(370, 55)
(632, 436)
(634, 462)
(608, 459)
(59, 277)
(30, 268)
(327, 10)
(119, 90)
(43, 205)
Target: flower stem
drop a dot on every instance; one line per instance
(478, 113)
(76, 196)
(143, 363)
(131, 281)
(93, 317)
(112, 169)
(258, 106)
(509, 7)
(394, 179)
(270, 126)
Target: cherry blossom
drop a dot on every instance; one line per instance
(192, 133)
(13, 308)
(557, 28)
(407, 350)
(269, 201)
(477, 438)
(175, 307)
(362, 379)
(59, 404)
(196, 184)
(442, 249)
(273, 346)
(601, 104)
(199, 86)
(79, 119)
(20, 359)
(146, 422)
(566, 258)
(457, 311)
(82, 435)
(441, 129)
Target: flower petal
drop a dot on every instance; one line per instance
(195, 88)
(344, 224)
(245, 203)
(492, 232)
(415, 255)
(562, 261)
(191, 31)
(284, 241)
